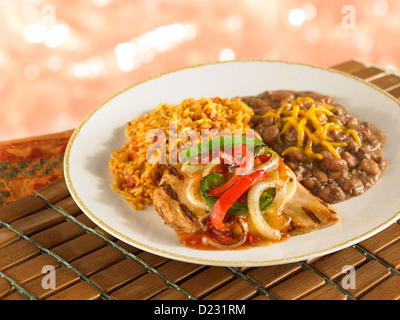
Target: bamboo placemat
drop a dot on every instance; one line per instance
(46, 232)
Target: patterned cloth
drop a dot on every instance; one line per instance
(26, 165)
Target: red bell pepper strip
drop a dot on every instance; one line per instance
(229, 159)
(231, 195)
(246, 166)
(262, 159)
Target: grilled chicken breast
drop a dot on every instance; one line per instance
(303, 212)
(307, 212)
(171, 202)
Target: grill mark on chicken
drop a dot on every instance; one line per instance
(292, 226)
(172, 204)
(312, 215)
(175, 172)
(169, 191)
(189, 214)
(326, 205)
(332, 211)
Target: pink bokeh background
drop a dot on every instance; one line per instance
(60, 59)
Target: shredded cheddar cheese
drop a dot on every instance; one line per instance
(304, 116)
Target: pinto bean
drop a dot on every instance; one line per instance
(364, 152)
(298, 175)
(370, 166)
(324, 98)
(337, 111)
(335, 176)
(270, 134)
(259, 106)
(292, 136)
(335, 164)
(331, 194)
(280, 95)
(310, 183)
(264, 94)
(258, 103)
(307, 104)
(352, 186)
(352, 123)
(293, 165)
(366, 132)
(326, 154)
(294, 156)
(319, 175)
(269, 121)
(349, 158)
(353, 146)
(256, 120)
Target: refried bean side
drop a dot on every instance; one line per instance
(358, 164)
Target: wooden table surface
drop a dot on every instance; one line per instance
(42, 231)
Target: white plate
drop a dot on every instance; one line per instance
(90, 182)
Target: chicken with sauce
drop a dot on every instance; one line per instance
(251, 198)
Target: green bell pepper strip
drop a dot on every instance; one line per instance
(223, 142)
(259, 150)
(214, 179)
